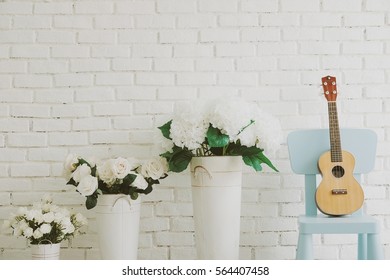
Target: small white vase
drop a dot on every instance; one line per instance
(45, 251)
(216, 193)
(118, 218)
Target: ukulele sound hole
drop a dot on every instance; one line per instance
(338, 171)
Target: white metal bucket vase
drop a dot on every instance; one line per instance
(45, 251)
(118, 218)
(216, 194)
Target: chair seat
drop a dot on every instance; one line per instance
(326, 224)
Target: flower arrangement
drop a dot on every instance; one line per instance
(45, 223)
(226, 127)
(113, 176)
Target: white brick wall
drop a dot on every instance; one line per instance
(97, 78)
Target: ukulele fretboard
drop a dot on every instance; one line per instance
(334, 133)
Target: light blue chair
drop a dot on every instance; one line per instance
(305, 147)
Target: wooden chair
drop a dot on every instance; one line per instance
(305, 147)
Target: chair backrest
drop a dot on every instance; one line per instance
(306, 146)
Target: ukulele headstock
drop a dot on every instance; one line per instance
(330, 89)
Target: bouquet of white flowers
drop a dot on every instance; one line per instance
(113, 176)
(45, 223)
(226, 127)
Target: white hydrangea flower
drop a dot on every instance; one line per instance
(268, 132)
(162, 144)
(231, 116)
(189, 125)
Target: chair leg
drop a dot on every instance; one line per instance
(362, 246)
(305, 247)
(374, 248)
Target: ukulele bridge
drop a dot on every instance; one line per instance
(339, 191)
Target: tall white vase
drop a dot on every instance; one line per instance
(118, 218)
(216, 193)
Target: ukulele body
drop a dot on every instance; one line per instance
(339, 193)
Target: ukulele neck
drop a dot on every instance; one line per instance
(334, 133)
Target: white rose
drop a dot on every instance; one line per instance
(48, 217)
(34, 214)
(105, 172)
(45, 228)
(81, 219)
(28, 232)
(58, 216)
(133, 162)
(140, 182)
(120, 167)
(81, 171)
(92, 161)
(154, 168)
(67, 226)
(47, 198)
(37, 233)
(88, 185)
(23, 225)
(70, 162)
(18, 231)
(46, 207)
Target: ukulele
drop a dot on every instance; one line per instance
(338, 193)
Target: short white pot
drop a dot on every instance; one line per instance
(45, 251)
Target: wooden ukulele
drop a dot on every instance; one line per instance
(338, 193)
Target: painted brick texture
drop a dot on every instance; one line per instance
(97, 77)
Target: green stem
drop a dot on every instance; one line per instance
(245, 127)
(224, 149)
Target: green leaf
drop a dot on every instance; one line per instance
(134, 195)
(72, 182)
(148, 190)
(168, 155)
(166, 130)
(216, 138)
(252, 156)
(253, 161)
(129, 179)
(217, 151)
(91, 201)
(179, 159)
(266, 160)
